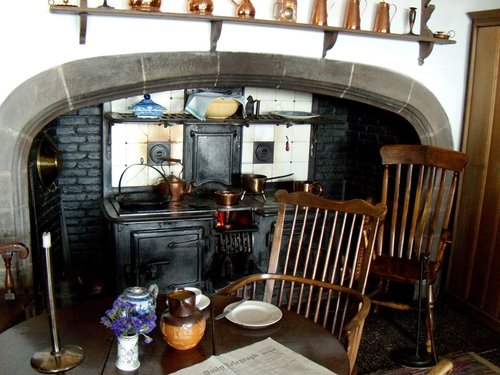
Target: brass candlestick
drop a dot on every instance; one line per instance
(56, 359)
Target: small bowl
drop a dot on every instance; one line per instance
(222, 108)
(441, 35)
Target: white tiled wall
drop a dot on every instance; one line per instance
(129, 141)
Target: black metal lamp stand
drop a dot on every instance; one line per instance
(56, 359)
(416, 357)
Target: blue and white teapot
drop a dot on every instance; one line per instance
(143, 298)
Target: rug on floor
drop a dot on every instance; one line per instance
(463, 364)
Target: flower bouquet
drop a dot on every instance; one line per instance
(125, 320)
(127, 323)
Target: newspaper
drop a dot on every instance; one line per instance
(264, 357)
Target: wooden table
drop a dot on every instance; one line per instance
(79, 325)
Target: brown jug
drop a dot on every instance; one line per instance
(182, 324)
(352, 18)
(382, 17)
(245, 9)
(203, 7)
(319, 15)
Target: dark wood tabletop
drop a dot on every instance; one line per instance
(80, 325)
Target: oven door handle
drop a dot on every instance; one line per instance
(198, 242)
(153, 267)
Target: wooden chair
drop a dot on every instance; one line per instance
(340, 310)
(323, 239)
(443, 367)
(419, 185)
(13, 307)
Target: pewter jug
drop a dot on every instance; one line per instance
(245, 9)
(382, 17)
(352, 18)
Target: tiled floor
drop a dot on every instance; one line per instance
(391, 329)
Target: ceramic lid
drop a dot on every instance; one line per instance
(147, 108)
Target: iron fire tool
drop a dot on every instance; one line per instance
(56, 359)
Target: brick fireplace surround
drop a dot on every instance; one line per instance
(50, 94)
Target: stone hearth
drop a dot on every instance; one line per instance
(41, 99)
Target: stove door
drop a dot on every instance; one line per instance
(170, 257)
(212, 154)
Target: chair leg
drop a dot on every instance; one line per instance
(430, 343)
(9, 280)
(380, 289)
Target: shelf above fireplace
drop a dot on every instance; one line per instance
(426, 40)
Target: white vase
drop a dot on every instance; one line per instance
(128, 353)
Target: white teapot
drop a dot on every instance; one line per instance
(142, 298)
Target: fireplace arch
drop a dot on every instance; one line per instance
(44, 97)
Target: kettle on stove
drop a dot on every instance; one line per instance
(178, 188)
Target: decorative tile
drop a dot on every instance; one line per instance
(158, 133)
(282, 169)
(265, 133)
(300, 170)
(247, 152)
(299, 151)
(280, 153)
(249, 133)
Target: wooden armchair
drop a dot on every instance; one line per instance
(342, 311)
(324, 239)
(443, 367)
(419, 185)
(12, 307)
(8, 250)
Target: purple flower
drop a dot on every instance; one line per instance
(125, 320)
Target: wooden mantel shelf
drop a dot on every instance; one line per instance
(426, 41)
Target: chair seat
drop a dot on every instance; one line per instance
(401, 270)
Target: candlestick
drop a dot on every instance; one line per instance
(46, 240)
(56, 359)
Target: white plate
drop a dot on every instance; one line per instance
(254, 314)
(203, 303)
(295, 115)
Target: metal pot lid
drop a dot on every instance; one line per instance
(49, 163)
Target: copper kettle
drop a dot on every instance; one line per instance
(178, 188)
(202, 7)
(382, 17)
(352, 18)
(245, 9)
